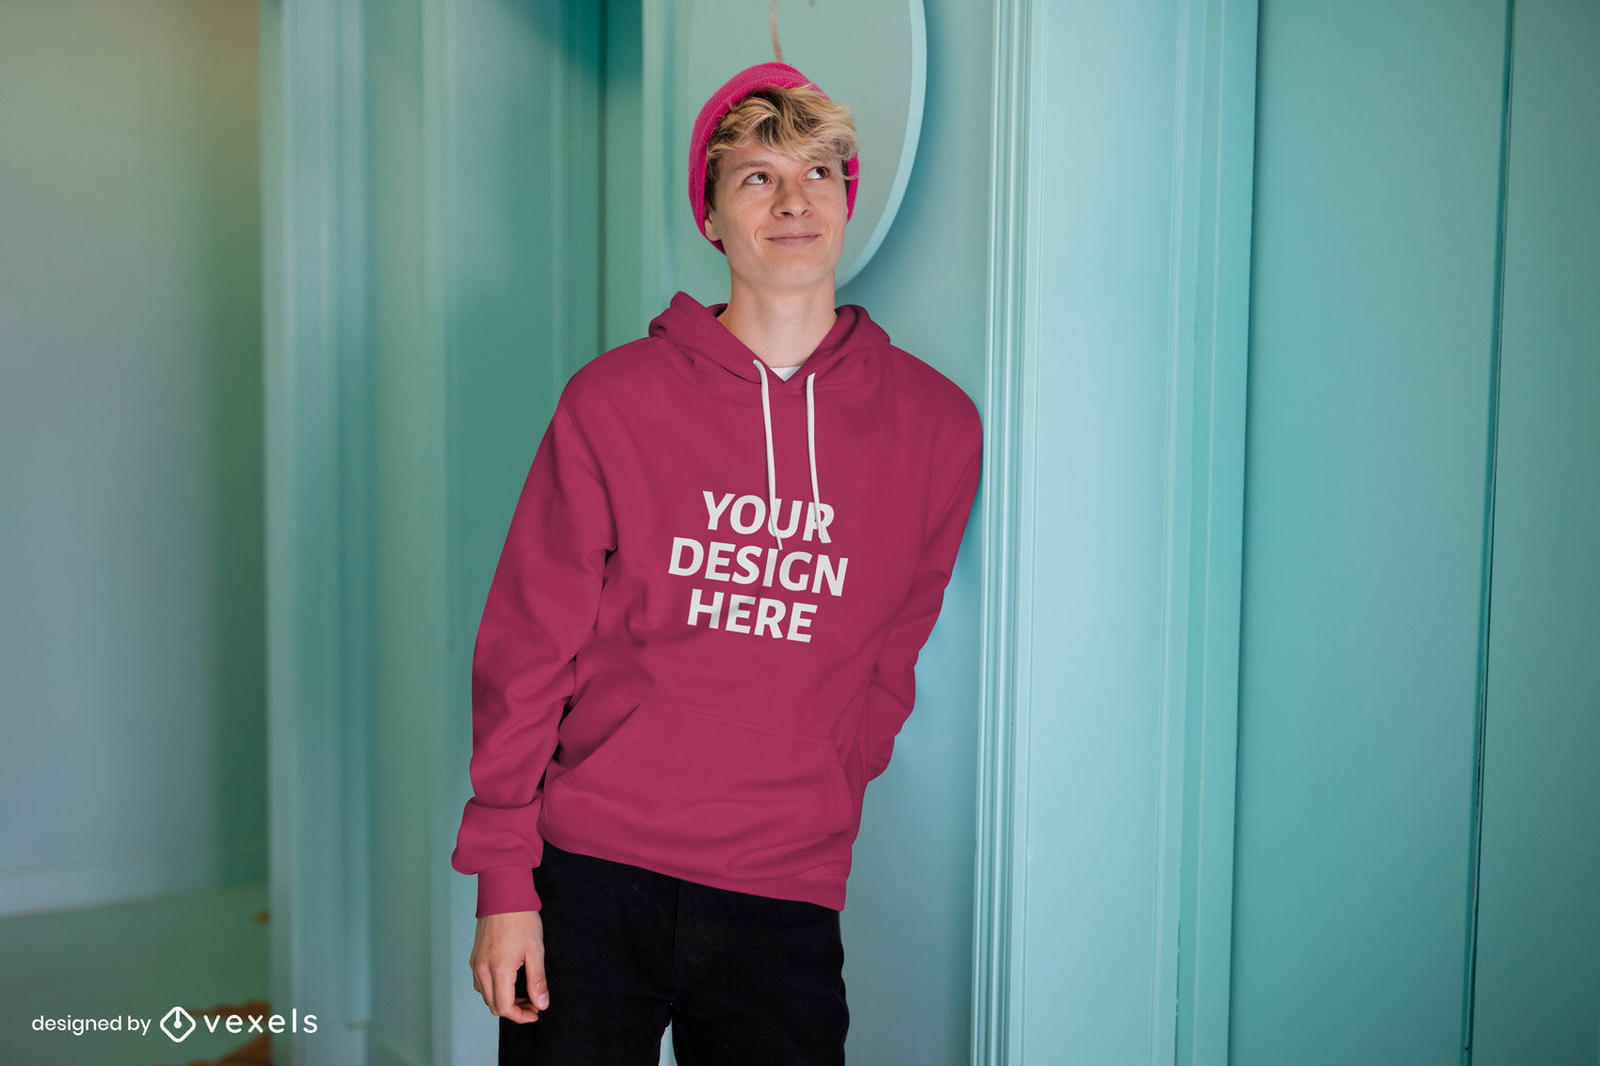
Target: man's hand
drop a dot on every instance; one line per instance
(503, 944)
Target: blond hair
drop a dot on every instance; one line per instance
(802, 123)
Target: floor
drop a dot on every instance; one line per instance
(202, 951)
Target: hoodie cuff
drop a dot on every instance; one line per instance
(503, 889)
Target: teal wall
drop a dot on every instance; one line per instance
(1420, 521)
(408, 539)
(1372, 314)
(132, 615)
(1536, 988)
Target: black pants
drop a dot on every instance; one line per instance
(745, 980)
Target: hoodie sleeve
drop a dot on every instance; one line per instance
(541, 606)
(892, 687)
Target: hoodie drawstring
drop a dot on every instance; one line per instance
(811, 448)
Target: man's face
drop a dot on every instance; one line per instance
(780, 219)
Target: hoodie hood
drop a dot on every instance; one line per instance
(842, 359)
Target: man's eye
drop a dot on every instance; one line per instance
(756, 174)
(821, 168)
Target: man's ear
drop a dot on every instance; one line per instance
(709, 227)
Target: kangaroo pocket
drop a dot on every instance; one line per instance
(682, 780)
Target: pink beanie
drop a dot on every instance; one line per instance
(742, 84)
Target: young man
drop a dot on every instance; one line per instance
(698, 645)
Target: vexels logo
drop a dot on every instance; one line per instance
(179, 1024)
(178, 1021)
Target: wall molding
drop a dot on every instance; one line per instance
(1222, 88)
(999, 916)
(317, 381)
(1019, 968)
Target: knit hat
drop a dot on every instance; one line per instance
(725, 99)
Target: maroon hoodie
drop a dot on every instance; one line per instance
(698, 644)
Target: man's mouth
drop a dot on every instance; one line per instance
(795, 238)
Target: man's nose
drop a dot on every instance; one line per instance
(792, 199)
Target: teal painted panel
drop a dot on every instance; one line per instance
(316, 382)
(1537, 979)
(133, 660)
(407, 541)
(627, 284)
(1378, 149)
(1104, 419)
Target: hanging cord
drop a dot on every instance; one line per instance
(776, 49)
